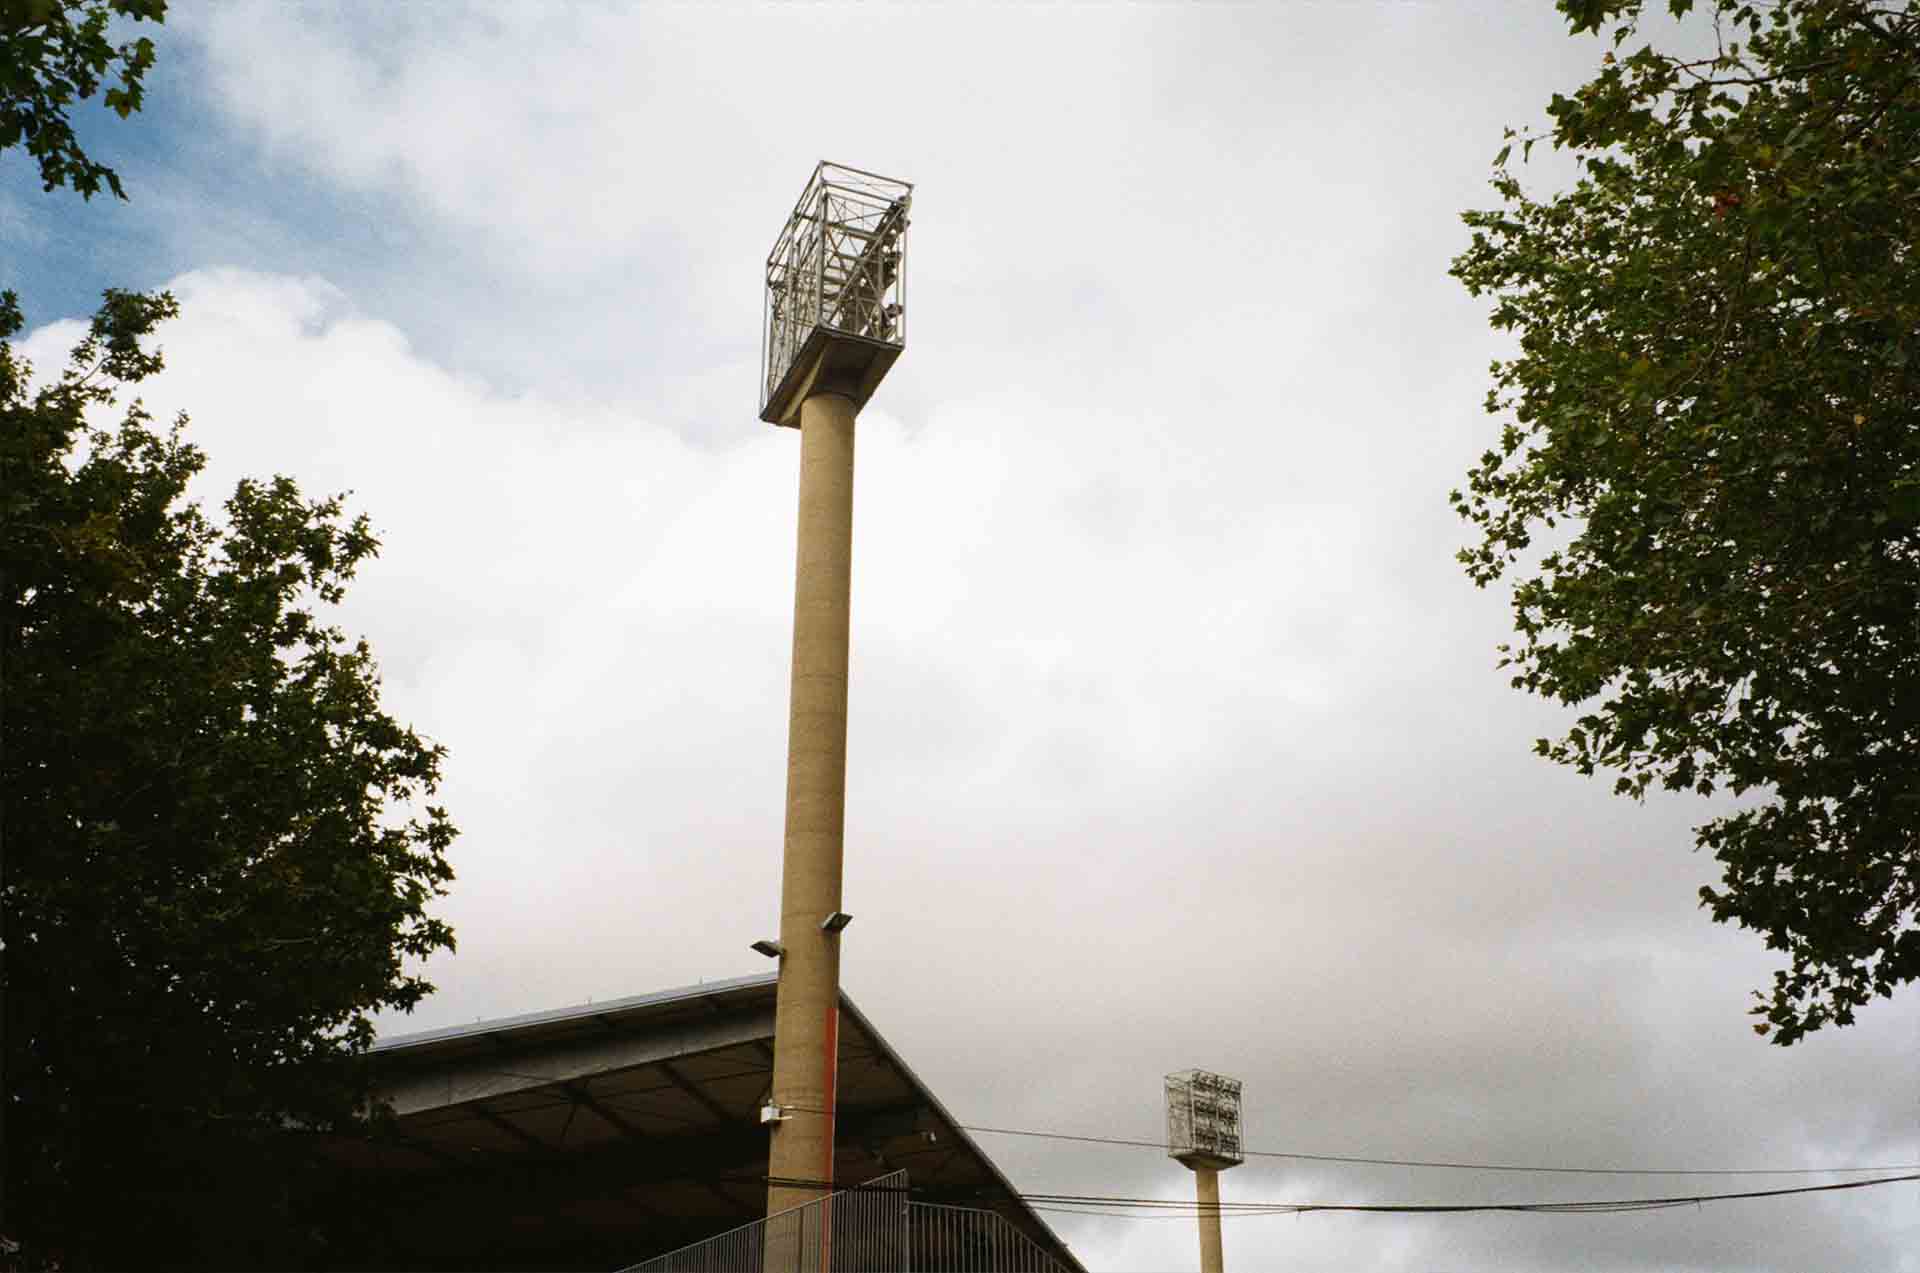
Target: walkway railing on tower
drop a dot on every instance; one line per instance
(870, 1228)
(836, 286)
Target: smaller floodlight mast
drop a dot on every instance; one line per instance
(1203, 1134)
(835, 322)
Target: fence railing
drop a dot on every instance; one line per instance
(872, 1228)
(965, 1240)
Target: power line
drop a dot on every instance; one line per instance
(1459, 1166)
(1149, 1208)
(1438, 1164)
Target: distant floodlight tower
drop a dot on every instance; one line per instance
(835, 322)
(1203, 1133)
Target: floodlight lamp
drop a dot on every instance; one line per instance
(1203, 1120)
(835, 921)
(771, 949)
(836, 297)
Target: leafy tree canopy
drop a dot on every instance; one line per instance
(54, 53)
(1713, 418)
(220, 851)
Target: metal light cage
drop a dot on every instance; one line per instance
(836, 299)
(1203, 1120)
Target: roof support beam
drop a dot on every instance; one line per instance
(519, 1133)
(579, 1095)
(445, 1157)
(698, 1097)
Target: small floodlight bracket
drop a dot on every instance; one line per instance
(835, 921)
(771, 949)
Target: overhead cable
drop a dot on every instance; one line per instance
(1883, 1169)
(1146, 1208)
(1139, 1208)
(1457, 1166)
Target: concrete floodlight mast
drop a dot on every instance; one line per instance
(835, 322)
(1203, 1134)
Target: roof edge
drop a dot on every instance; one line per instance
(573, 1012)
(959, 1132)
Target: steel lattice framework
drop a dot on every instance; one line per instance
(1203, 1120)
(836, 297)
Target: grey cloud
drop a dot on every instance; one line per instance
(1176, 734)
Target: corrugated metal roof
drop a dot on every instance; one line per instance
(646, 1103)
(607, 1009)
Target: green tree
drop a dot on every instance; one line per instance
(1713, 424)
(220, 850)
(54, 53)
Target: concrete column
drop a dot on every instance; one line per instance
(806, 1014)
(1206, 1185)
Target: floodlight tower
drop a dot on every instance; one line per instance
(835, 322)
(1203, 1134)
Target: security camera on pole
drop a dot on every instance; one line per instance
(1203, 1134)
(835, 322)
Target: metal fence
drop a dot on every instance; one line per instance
(965, 1240)
(872, 1228)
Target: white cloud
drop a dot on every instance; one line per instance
(1161, 767)
(1176, 738)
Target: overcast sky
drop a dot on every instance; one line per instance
(1176, 737)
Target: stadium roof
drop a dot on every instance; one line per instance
(599, 1135)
